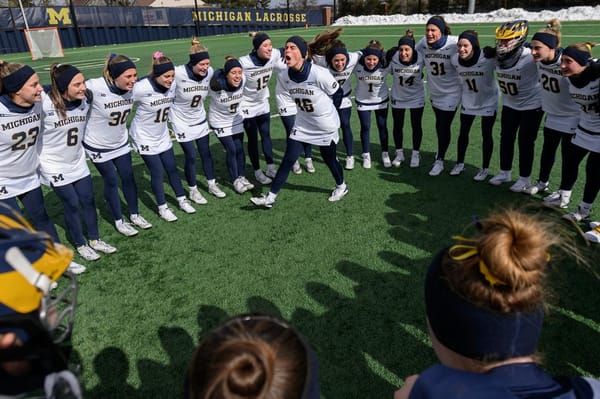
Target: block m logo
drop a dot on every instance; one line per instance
(56, 17)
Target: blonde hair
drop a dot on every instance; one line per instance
(196, 46)
(112, 59)
(553, 27)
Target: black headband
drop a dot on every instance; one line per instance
(115, 70)
(258, 39)
(159, 69)
(580, 56)
(13, 82)
(300, 43)
(230, 64)
(197, 57)
(407, 41)
(372, 51)
(548, 39)
(335, 51)
(470, 37)
(62, 82)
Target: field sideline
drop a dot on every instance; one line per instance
(348, 275)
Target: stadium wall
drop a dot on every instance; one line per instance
(92, 26)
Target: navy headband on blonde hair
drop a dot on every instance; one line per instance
(372, 51)
(197, 57)
(13, 82)
(62, 82)
(580, 56)
(548, 39)
(116, 69)
(230, 64)
(407, 41)
(159, 69)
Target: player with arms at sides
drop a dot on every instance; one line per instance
(330, 52)
(258, 68)
(317, 122)
(62, 158)
(562, 113)
(153, 96)
(188, 119)
(438, 46)
(226, 120)
(21, 112)
(372, 95)
(106, 139)
(408, 92)
(522, 113)
(479, 98)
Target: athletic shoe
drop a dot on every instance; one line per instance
(366, 160)
(582, 213)
(502, 177)
(399, 158)
(197, 197)
(415, 159)
(385, 157)
(296, 168)
(538, 187)
(338, 193)
(140, 222)
(594, 234)
(349, 162)
(101, 246)
(438, 167)
(247, 184)
(216, 191)
(185, 206)
(310, 166)
(521, 185)
(87, 253)
(167, 215)
(271, 171)
(262, 201)
(239, 186)
(261, 177)
(125, 228)
(482, 174)
(593, 225)
(560, 198)
(457, 169)
(76, 268)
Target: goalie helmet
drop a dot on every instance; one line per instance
(510, 36)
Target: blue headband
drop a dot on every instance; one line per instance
(580, 56)
(159, 69)
(548, 39)
(13, 82)
(115, 70)
(474, 331)
(258, 39)
(197, 57)
(407, 41)
(471, 38)
(437, 22)
(335, 51)
(230, 64)
(300, 43)
(372, 51)
(62, 82)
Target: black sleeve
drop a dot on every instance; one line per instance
(489, 52)
(89, 96)
(389, 55)
(337, 97)
(592, 71)
(215, 83)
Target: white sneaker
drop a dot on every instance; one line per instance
(262, 201)
(261, 177)
(538, 187)
(101, 246)
(125, 228)
(521, 185)
(457, 169)
(366, 160)
(167, 215)
(76, 268)
(87, 253)
(502, 177)
(399, 158)
(140, 222)
(239, 186)
(310, 166)
(582, 213)
(296, 168)
(349, 163)
(216, 191)
(482, 174)
(594, 234)
(338, 193)
(247, 184)
(438, 167)
(185, 206)
(593, 225)
(197, 197)
(385, 158)
(415, 159)
(560, 198)
(271, 171)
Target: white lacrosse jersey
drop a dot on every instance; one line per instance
(256, 89)
(587, 134)
(317, 121)
(106, 135)
(444, 93)
(187, 115)
(285, 103)
(479, 88)
(224, 113)
(344, 78)
(408, 89)
(18, 147)
(520, 85)
(372, 91)
(562, 113)
(149, 129)
(62, 158)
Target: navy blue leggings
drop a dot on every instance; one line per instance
(234, 155)
(526, 123)
(253, 126)
(288, 124)
(156, 164)
(72, 195)
(487, 140)
(190, 154)
(365, 128)
(33, 202)
(570, 171)
(124, 168)
(443, 129)
(347, 137)
(552, 138)
(292, 152)
(416, 118)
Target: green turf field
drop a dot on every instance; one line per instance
(348, 275)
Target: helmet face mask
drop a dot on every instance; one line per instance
(57, 309)
(510, 36)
